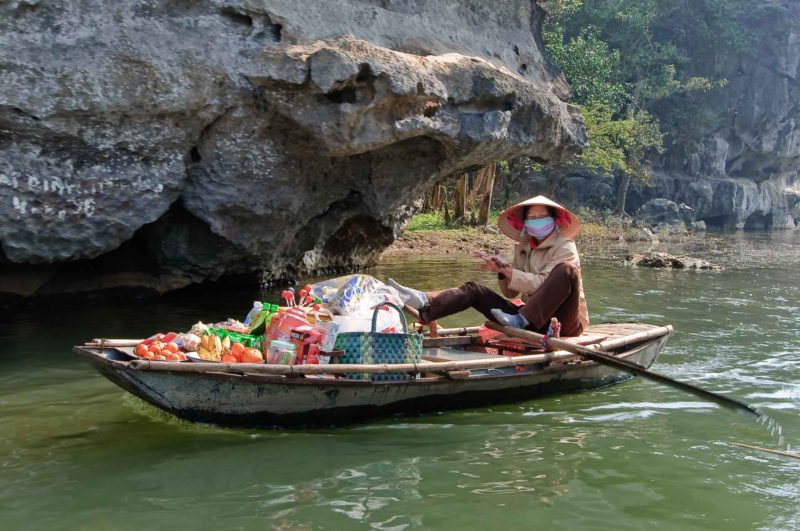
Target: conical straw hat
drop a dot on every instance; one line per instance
(568, 223)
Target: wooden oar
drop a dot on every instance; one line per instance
(628, 366)
(767, 450)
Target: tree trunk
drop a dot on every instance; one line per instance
(622, 193)
(486, 200)
(444, 202)
(436, 197)
(478, 184)
(459, 208)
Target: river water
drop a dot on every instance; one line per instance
(76, 452)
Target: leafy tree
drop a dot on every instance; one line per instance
(653, 39)
(619, 144)
(590, 66)
(631, 62)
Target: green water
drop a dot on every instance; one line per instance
(76, 452)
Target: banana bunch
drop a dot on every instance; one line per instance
(212, 348)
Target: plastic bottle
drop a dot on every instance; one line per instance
(262, 319)
(257, 307)
(282, 352)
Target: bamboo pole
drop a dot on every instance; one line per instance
(464, 331)
(495, 362)
(115, 342)
(609, 344)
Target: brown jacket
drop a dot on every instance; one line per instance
(531, 267)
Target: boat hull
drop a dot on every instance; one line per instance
(254, 400)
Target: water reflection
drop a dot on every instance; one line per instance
(74, 448)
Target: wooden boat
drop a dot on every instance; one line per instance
(458, 370)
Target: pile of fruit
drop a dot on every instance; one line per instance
(304, 330)
(212, 348)
(160, 348)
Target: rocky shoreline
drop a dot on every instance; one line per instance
(595, 241)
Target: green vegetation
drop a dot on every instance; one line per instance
(435, 220)
(641, 71)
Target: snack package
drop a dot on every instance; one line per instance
(324, 322)
(247, 340)
(282, 324)
(329, 330)
(303, 338)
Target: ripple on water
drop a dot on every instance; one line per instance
(621, 457)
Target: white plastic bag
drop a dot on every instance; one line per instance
(358, 294)
(388, 322)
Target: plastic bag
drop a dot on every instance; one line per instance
(326, 289)
(387, 322)
(236, 337)
(356, 294)
(231, 325)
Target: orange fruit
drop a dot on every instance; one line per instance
(159, 357)
(172, 347)
(227, 358)
(236, 349)
(171, 356)
(252, 355)
(141, 350)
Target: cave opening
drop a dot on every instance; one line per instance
(345, 95)
(724, 222)
(758, 222)
(237, 17)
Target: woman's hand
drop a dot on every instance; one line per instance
(495, 264)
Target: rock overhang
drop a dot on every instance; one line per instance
(225, 137)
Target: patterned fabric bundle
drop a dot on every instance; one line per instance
(373, 347)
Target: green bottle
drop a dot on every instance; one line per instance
(259, 323)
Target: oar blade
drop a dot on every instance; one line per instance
(628, 366)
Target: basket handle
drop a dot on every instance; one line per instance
(396, 307)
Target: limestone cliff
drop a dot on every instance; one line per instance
(733, 153)
(743, 171)
(150, 144)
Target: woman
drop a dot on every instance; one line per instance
(546, 270)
